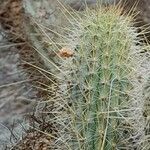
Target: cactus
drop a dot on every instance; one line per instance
(98, 83)
(98, 101)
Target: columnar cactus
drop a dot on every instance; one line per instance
(98, 101)
(98, 83)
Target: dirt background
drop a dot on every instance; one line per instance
(17, 96)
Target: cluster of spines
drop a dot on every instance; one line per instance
(99, 77)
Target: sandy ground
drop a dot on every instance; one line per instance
(16, 98)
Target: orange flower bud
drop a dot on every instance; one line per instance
(65, 52)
